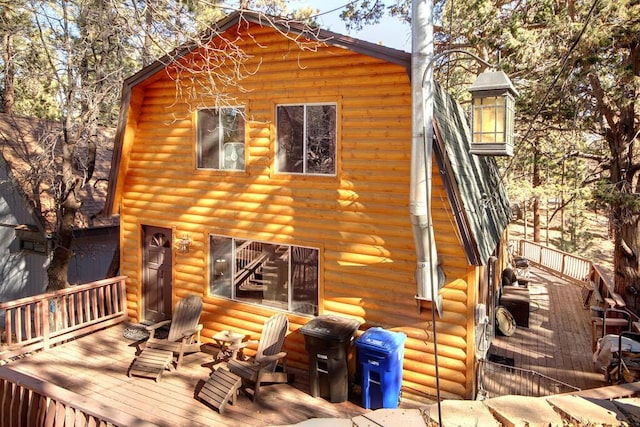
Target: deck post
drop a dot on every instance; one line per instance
(43, 308)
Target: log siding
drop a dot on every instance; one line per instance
(359, 219)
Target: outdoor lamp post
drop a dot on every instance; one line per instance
(492, 114)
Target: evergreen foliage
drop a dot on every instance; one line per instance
(576, 64)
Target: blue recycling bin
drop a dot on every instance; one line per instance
(380, 354)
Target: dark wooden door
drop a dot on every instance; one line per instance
(156, 273)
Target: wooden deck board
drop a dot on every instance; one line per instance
(558, 340)
(96, 366)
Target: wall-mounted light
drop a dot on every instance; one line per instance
(183, 244)
(492, 114)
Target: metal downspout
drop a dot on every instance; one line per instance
(422, 53)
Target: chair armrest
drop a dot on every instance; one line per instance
(271, 357)
(152, 328)
(243, 344)
(157, 325)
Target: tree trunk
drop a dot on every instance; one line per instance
(626, 218)
(8, 93)
(59, 265)
(621, 134)
(562, 236)
(536, 182)
(627, 248)
(146, 46)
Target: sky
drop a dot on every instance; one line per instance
(391, 32)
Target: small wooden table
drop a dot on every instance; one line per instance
(224, 340)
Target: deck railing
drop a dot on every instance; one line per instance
(28, 401)
(576, 269)
(496, 379)
(565, 264)
(41, 321)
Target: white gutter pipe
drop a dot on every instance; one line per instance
(422, 53)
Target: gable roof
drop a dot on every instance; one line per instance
(283, 25)
(469, 177)
(478, 198)
(238, 18)
(26, 144)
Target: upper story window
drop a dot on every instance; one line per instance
(220, 138)
(269, 274)
(306, 136)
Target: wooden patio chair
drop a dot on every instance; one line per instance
(184, 337)
(268, 366)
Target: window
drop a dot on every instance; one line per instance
(306, 136)
(36, 247)
(279, 276)
(220, 138)
(31, 240)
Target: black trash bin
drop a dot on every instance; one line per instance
(380, 356)
(329, 342)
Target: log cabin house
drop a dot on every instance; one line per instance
(282, 184)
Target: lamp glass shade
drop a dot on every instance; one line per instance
(492, 114)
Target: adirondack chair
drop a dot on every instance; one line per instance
(184, 337)
(268, 366)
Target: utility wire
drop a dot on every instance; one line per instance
(335, 9)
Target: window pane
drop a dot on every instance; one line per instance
(304, 276)
(220, 266)
(233, 138)
(208, 139)
(489, 119)
(500, 121)
(510, 124)
(321, 139)
(234, 156)
(290, 134)
(477, 116)
(233, 124)
(488, 137)
(220, 131)
(262, 273)
(274, 274)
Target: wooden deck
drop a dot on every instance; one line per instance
(557, 342)
(95, 366)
